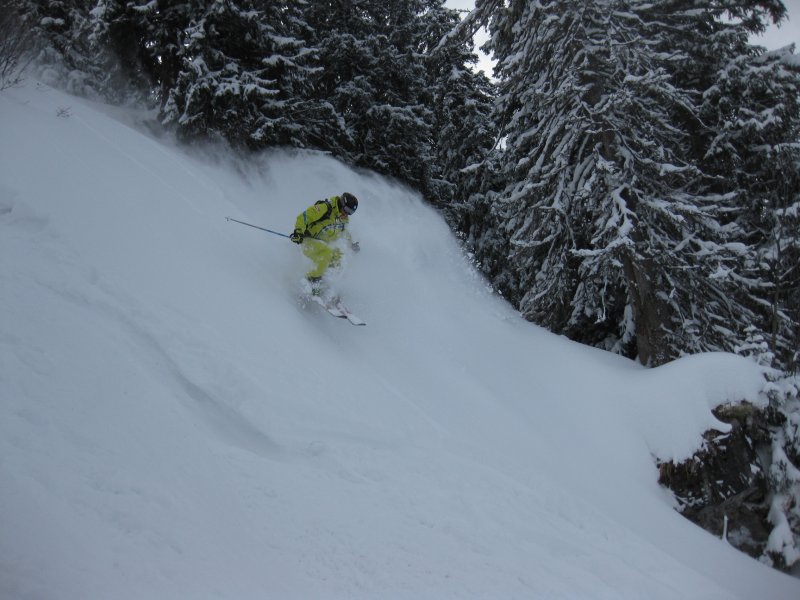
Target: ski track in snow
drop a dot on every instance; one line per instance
(174, 423)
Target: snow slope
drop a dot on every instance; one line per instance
(176, 423)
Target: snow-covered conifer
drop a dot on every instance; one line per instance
(375, 73)
(243, 70)
(617, 234)
(146, 39)
(65, 51)
(462, 111)
(754, 111)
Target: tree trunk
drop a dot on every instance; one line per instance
(648, 312)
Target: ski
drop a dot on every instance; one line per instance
(338, 310)
(354, 320)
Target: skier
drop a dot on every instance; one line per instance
(317, 228)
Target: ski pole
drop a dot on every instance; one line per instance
(257, 227)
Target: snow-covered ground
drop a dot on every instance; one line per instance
(176, 423)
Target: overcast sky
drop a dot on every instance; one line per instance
(775, 37)
(787, 33)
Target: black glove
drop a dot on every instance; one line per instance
(355, 246)
(297, 236)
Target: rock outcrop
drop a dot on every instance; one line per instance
(725, 487)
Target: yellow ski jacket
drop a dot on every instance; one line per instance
(323, 221)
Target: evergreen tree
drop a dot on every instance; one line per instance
(243, 74)
(15, 42)
(146, 39)
(65, 51)
(597, 182)
(755, 111)
(617, 234)
(462, 111)
(373, 76)
(376, 75)
(749, 115)
(352, 78)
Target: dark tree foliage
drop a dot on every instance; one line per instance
(146, 38)
(753, 109)
(374, 73)
(622, 228)
(15, 42)
(462, 107)
(64, 48)
(243, 76)
(744, 130)
(350, 77)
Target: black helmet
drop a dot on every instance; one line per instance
(348, 203)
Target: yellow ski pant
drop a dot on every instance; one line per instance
(322, 255)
